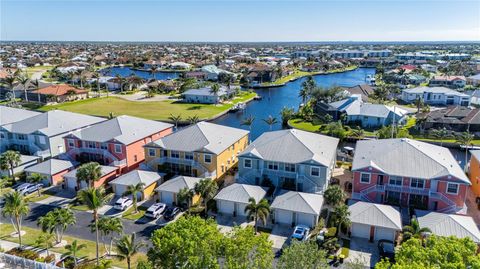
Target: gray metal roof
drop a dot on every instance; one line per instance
(52, 123)
(375, 214)
(136, 176)
(444, 90)
(207, 91)
(293, 146)
(203, 136)
(449, 224)
(309, 203)
(104, 168)
(176, 184)
(240, 193)
(50, 167)
(407, 158)
(124, 129)
(9, 114)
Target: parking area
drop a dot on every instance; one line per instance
(227, 222)
(364, 251)
(280, 235)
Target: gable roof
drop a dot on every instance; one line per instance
(241, 193)
(202, 136)
(177, 183)
(52, 123)
(303, 202)
(137, 176)
(293, 146)
(59, 90)
(449, 224)
(50, 167)
(105, 170)
(408, 158)
(375, 214)
(9, 114)
(444, 90)
(124, 129)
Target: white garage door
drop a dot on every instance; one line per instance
(166, 197)
(71, 183)
(283, 216)
(305, 219)
(120, 190)
(225, 207)
(240, 209)
(384, 233)
(361, 230)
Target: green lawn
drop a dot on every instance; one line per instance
(155, 110)
(475, 142)
(33, 197)
(32, 234)
(34, 69)
(80, 207)
(304, 125)
(298, 74)
(129, 214)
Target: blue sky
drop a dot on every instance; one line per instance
(244, 20)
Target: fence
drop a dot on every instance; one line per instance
(13, 262)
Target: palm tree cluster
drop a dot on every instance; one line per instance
(56, 222)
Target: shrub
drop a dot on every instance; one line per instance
(331, 232)
(24, 253)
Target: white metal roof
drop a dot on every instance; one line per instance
(303, 202)
(10, 114)
(177, 183)
(378, 215)
(449, 224)
(50, 167)
(241, 193)
(137, 176)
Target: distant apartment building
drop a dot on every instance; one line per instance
(347, 54)
(305, 53)
(435, 96)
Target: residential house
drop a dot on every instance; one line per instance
(25, 161)
(71, 182)
(233, 199)
(289, 159)
(42, 135)
(206, 96)
(199, 150)
(212, 72)
(374, 221)
(10, 115)
(52, 171)
(364, 90)
(149, 179)
(435, 96)
(411, 173)
(475, 171)
(448, 81)
(474, 80)
(117, 142)
(261, 73)
(167, 192)
(440, 224)
(455, 118)
(59, 93)
(297, 208)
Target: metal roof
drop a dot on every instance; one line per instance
(309, 203)
(449, 224)
(375, 214)
(50, 167)
(137, 176)
(105, 170)
(10, 114)
(177, 183)
(241, 193)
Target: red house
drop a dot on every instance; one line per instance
(409, 173)
(115, 142)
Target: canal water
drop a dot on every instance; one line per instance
(127, 71)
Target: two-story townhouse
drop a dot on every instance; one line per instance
(410, 173)
(289, 159)
(42, 135)
(10, 115)
(118, 141)
(200, 150)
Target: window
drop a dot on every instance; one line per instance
(41, 140)
(207, 158)
(71, 143)
(395, 181)
(247, 163)
(188, 155)
(104, 146)
(175, 154)
(417, 183)
(151, 152)
(290, 167)
(272, 166)
(315, 171)
(135, 159)
(21, 137)
(452, 188)
(365, 178)
(118, 148)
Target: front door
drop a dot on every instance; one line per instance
(380, 180)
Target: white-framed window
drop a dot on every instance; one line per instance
(151, 152)
(118, 148)
(315, 171)
(290, 167)
(188, 155)
(272, 166)
(175, 154)
(365, 178)
(417, 183)
(207, 158)
(247, 163)
(395, 181)
(452, 188)
(71, 143)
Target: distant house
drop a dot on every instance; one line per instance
(455, 118)
(52, 170)
(206, 96)
(59, 93)
(448, 81)
(148, 178)
(474, 80)
(261, 73)
(212, 72)
(25, 161)
(435, 96)
(364, 90)
(180, 65)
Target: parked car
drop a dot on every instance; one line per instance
(171, 213)
(123, 203)
(387, 249)
(20, 188)
(301, 233)
(31, 188)
(155, 210)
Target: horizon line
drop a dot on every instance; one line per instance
(297, 41)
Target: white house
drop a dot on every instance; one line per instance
(441, 224)
(294, 208)
(435, 96)
(233, 199)
(206, 96)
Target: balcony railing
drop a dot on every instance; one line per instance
(407, 189)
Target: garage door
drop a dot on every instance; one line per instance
(166, 197)
(305, 219)
(384, 233)
(361, 230)
(283, 216)
(226, 207)
(240, 209)
(120, 190)
(71, 183)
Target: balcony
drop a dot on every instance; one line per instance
(406, 189)
(201, 169)
(104, 152)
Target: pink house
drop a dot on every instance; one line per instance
(115, 142)
(409, 173)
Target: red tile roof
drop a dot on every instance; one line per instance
(59, 90)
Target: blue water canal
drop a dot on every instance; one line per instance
(127, 71)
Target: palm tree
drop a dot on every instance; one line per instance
(304, 94)
(45, 240)
(342, 215)
(9, 160)
(35, 178)
(109, 226)
(270, 121)
(88, 172)
(207, 189)
(248, 121)
(15, 207)
(73, 249)
(24, 80)
(185, 196)
(153, 70)
(94, 199)
(36, 85)
(358, 133)
(121, 81)
(134, 81)
(466, 139)
(440, 134)
(10, 81)
(134, 190)
(413, 230)
(287, 114)
(334, 196)
(127, 248)
(96, 75)
(215, 89)
(193, 119)
(176, 119)
(257, 211)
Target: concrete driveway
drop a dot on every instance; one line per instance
(280, 235)
(364, 251)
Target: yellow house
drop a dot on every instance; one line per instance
(200, 150)
(475, 172)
